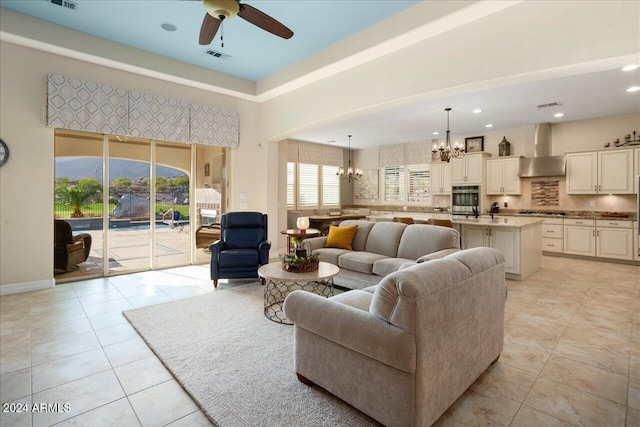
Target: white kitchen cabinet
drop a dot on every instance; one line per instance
(440, 178)
(600, 172)
(506, 240)
(615, 172)
(521, 246)
(614, 239)
(502, 176)
(579, 240)
(582, 176)
(468, 170)
(475, 237)
(637, 172)
(636, 247)
(553, 235)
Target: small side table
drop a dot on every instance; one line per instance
(280, 283)
(294, 232)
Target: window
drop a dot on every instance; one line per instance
(394, 183)
(307, 185)
(314, 185)
(419, 183)
(291, 184)
(410, 183)
(330, 186)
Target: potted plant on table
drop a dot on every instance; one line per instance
(298, 261)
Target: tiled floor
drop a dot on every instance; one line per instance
(571, 355)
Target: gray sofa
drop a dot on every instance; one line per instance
(380, 248)
(404, 350)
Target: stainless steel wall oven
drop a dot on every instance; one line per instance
(465, 199)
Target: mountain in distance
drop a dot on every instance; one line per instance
(79, 167)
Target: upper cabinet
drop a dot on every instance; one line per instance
(582, 176)
(502, 176)
(635, 180)
(441, 178)
(468, 170)
(600, 172)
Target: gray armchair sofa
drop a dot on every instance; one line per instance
(380, 248)
(404, 350)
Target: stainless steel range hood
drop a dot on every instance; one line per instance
(542, 164)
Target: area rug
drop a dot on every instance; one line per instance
(236, 364)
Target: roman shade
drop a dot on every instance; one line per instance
(87, 106)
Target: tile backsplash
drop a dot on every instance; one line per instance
(545, 193)
(602, 202)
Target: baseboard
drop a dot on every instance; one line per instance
(15, 288)
(592, 258)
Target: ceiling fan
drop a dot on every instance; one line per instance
(219, 10)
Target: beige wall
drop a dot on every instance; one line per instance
(26, 180)
(565, 136)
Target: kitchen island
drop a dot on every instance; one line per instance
(518, 238)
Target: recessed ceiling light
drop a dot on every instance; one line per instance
(633, 89)
(436, 133)
(630, 67)
(169, 27)
(488, 125)
(558, 115)
(477, 110)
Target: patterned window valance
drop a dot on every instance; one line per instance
(87, 106)
(309, 153)
(417, 153)
(332, 156)
(315, 154)
(391, 155)
(292, 151)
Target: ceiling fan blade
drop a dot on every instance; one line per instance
(209, 29)
(264, 21)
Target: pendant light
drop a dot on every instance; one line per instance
(444, 151)
(351, 173)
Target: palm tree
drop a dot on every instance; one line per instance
(77, 195)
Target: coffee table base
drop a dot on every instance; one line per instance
(275, 291)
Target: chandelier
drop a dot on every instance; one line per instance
(445, 152)
(352, 173)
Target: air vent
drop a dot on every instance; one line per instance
(65, 3)
(217, 54)
(551, 104)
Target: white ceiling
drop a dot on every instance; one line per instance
(581, 97)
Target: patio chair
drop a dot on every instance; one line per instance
(69, 250)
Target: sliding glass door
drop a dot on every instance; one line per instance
(78, 191)
(130, 191)
(142, 201)
(173, 218)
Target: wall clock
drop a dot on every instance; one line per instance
(4, 152)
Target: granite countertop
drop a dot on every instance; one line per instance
(570, 214)
(517, 222)
(420, 218)
(423, 216)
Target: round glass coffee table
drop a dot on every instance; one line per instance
(280, 283)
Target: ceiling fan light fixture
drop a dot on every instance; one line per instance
(218, 8)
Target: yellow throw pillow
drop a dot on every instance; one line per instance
(341, 237)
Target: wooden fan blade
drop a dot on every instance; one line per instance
(264, 21)
(209, 29)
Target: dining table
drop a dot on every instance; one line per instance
(322, 222)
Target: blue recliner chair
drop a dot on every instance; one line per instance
(243, 246)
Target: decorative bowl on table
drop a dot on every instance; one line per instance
(299, 264)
